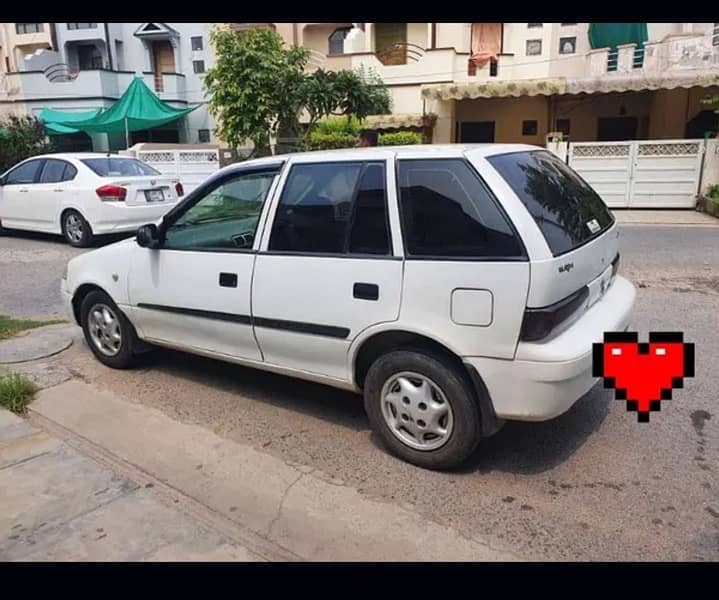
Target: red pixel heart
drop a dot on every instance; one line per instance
(643, 374)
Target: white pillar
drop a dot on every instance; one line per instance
(369, 35)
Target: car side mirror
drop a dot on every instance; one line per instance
(148, 236)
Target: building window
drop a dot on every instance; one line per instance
(196, 43)
(534, 47)
(493, 68)
(337, 40)
(529, 127)
(28, 27)
(533, 25)
(198, 66)
(82, 25)
(563, 125)
(204, 136)
(567, 45)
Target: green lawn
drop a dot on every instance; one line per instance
(10, 327)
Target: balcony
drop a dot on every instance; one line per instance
(100, 83)
(676, 53)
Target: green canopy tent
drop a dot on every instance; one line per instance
(138, 109)
(611, 35)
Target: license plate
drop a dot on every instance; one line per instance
(154, 195)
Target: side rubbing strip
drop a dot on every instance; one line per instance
(295, 326)
(203, 314)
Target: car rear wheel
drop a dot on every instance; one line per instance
(76, 229)
(110, 335)
(423, 407)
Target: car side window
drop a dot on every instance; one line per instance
(53, 171)
(70, 172)
(447, 211)
(225, 218)
(25, 173)
(333, 208)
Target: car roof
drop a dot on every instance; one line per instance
(81, 155)
(385, 152)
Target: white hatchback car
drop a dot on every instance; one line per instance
(83, 195)
(454, 286)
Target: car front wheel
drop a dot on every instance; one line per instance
(76, 229)
(111, 337)
(423, 407)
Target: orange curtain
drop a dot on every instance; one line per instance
(486, 43)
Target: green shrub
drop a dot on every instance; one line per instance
(339, 125)
(401, 138)
(16, 392)
(331, 141)
(713, 191)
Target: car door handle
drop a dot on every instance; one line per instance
(58, 190)
(23, 190)
(228, 280)
(366, 291)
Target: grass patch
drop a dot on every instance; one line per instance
(10, 327)
(16, 392)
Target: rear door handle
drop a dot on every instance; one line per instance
(228, 280)
(23, 190)
(366, 291)
(58, 190)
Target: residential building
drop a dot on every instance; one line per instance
(517, 82)
(85, 66)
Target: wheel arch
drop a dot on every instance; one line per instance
(376, 344)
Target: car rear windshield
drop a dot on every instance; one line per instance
(567, 210)
(119, 167)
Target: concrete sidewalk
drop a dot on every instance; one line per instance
(96, 477)
(677, 218)
(59, 505)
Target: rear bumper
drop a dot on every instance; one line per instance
(546, 379)
(116, 217)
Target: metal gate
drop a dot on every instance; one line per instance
(191, 167)
(641, 174)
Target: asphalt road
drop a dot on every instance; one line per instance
(592, 484)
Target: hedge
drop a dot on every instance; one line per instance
(400, 138)
(331, 141)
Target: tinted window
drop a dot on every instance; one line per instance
(448, 212)
(25, 173)
(335, 208)
(119, 167)
(70, 172)
(224, 218)
(567, 210)
(53, 171)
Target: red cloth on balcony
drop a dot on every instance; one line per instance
(486, 43)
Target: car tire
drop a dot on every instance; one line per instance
(110, 335)
(439, 398)
(76, 230)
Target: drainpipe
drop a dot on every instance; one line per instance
(107, 45)
(53, 36)
(295, 35)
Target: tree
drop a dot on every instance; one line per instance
(253, 86)
(21, 138)
(259, 88)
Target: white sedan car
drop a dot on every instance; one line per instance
(84, 195)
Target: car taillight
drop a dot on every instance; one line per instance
(179, 189)
(538, 323)
(111, 193)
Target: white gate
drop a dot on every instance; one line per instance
(191, 167)
(641, 174)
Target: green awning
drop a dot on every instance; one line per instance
(611, 35)
(138, 109)
(52, 119)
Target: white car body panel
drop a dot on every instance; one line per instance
(295, 313)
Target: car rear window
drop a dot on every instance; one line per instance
(567, 210)
(119, 167)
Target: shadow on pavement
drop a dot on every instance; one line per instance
(36, 236)
(519, 448)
